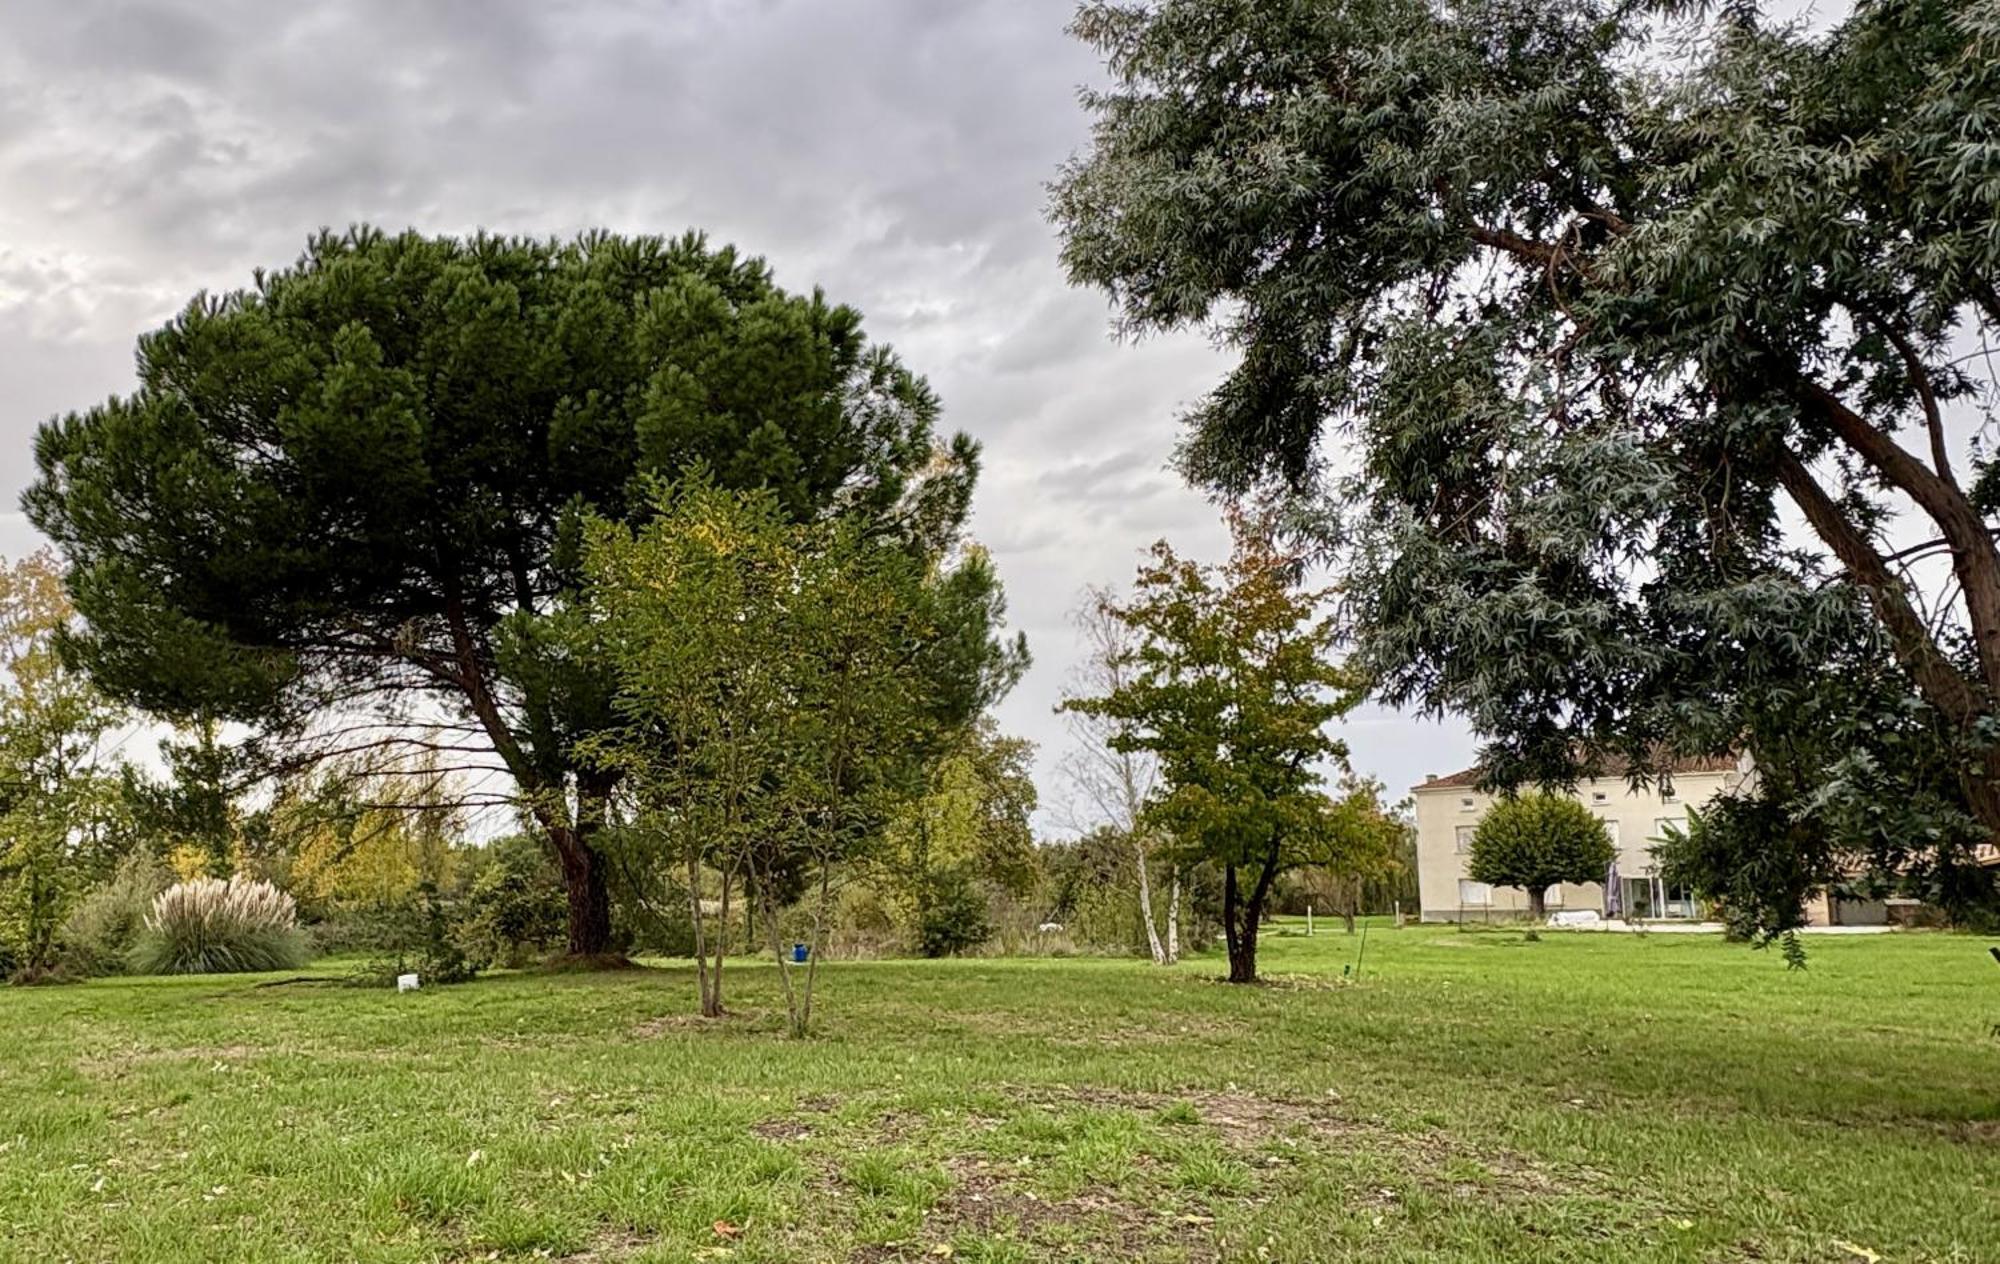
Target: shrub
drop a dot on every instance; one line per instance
(208, 926)
(952, 916)
(101, 933)
(516, 909)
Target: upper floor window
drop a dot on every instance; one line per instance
(1465, 833)
(1599, 796)
(1465, 805)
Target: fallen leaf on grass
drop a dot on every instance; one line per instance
(1852, 1254)
(723, 1229)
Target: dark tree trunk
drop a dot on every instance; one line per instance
(1241, 917)
(589, 901)
(585, 872)
(1242, 962)
(1538, 903)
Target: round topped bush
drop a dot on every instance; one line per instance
(209, 926)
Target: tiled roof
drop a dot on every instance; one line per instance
(1614, 766)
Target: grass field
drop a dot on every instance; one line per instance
(1475, 1097)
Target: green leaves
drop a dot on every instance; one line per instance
(1536, 840)
(1229, 682)
(359, 482)
(1600, 301)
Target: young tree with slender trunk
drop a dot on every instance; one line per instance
(782, 689)
(1230, 682)
(357, 484)
(1358, 841)
(1109, 787)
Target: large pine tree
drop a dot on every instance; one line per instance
(356, 483)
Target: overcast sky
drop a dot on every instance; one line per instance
(892, 151)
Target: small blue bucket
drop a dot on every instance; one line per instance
(799, 953)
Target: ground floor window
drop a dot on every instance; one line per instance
(1474, 893)
(1651, 897)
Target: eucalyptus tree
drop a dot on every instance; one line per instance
(1641, 324)
(356, 484)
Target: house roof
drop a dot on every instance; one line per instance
(1614, 766)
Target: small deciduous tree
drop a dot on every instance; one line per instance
(1534, 841)
(1110, 786)
(968, 833)
(1359, 841)
(781, 689)
(1230, 681)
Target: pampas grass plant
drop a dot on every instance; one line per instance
(208, 926)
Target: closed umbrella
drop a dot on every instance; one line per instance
(1614, 892)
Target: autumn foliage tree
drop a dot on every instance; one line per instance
(61, 804)
(1230, 681)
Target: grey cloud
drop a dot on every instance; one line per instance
(893, 151)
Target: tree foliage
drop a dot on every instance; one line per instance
(1360, 843)
(1534, 841)
(1230, 682)
(781, 688)
(969, 832)
(1599, 322)
(359, 483)
(63, 822)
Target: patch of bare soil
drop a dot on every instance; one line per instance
(666, 1024)
(982, 1200)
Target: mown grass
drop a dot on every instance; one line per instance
(1475, 1097)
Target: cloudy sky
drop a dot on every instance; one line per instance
(892, 151)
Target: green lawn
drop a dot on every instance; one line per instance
(1475, 1097)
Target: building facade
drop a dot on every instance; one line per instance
(1449, 809)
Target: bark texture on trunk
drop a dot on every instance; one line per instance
(589, 898)
(1146, 906)
(1243, 915)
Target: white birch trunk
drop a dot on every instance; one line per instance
(1146, 905)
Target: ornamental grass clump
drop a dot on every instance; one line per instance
(209, 926)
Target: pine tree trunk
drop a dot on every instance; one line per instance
(589, 898)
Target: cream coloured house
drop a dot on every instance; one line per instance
(1449, 809)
